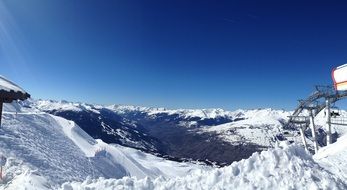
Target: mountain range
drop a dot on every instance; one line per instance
(214, 136)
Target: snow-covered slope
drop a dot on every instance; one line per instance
(100, 123)
(266, 126)
(287, 167)
(333, 158)
(259, 126)
(45, 150)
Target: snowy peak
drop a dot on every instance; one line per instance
(212, 113)
(186, 113)
(50, 105)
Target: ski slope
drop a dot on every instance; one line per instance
(44, 151)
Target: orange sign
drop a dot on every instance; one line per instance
(339, 76)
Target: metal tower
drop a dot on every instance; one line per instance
(307, 110)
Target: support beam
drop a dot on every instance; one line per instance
(302, 133)
(313, 129)
(328, 121)
(1, 103)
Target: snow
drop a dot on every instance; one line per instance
(320, 120)
(186, 113)
(45, 150)
(38, 142)
(28, 180)
(258, 126)
(7, 85)
(286, 167)
(78, 136)
(48, 152)
(333, 157)
(50, 105)
(213, 113)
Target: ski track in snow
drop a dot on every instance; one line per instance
(44, 151)
(37, 140)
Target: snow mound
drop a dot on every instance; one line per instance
(333, 157)
(287, 167)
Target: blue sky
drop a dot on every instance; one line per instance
(175, 54)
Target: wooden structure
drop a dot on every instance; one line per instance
(9, 92)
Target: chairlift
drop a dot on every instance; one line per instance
(335, 111)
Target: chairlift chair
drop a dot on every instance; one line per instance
(335, 111)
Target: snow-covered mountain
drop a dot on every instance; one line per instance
(258, 126)
(101, 123)
(262, 128)
(49, 152)
(185, 117)
(208, 135)
(176, 134)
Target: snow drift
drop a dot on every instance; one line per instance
(287, 167)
